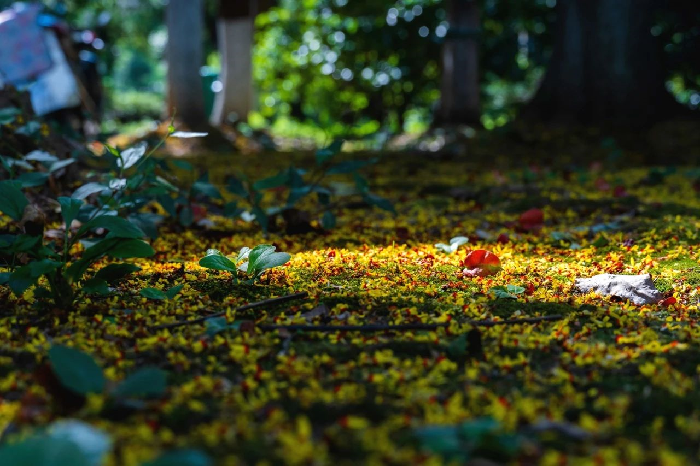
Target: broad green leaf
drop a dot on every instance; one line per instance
(41, 156)
(207, 189)
(349, 166)
(69, 209)
(117, 226)
(130, 248)
(43, 267)
(380, 202)
(56, 166)
(325, 154)
(76, 370)
(147, 382)
(42, 450)
(12, 200)
(93, 443)
(21, 279)
(328, 221)
(114, 272)
(235, 186)
(153, 293)
(32, 179)
(172, 292)
(95, 286)
(182, 165)
(130, 157)
(261, 218)
(272, 182)
(181, 458)
(186, 217)
(215, 325)
(217, 262)
(87, 190)
(168, 204)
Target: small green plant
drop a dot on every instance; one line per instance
(159, 295)
(507, 292)
(253, 262)
(51, 260)
(301, 183)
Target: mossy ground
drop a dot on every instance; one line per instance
(624, 375)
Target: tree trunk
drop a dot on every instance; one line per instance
(184, 20)
(459, 101)
(606, 69)
(235, 100)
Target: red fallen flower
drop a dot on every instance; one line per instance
(531, 219)
(668, 301)
(199, 212)
(620, 191)
(503, 238)
(480, 263)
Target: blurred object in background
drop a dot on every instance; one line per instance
(57, 65)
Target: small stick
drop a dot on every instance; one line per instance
(265, 302)
(404, 327)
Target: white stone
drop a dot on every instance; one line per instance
(639, 289)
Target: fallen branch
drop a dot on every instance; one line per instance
(404, 327)
(265, 302)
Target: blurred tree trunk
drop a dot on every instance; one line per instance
(606, 68)
(235, 33)
(459, 101)
(184, 20)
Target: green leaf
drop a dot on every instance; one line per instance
(42, 450)
(153, 293)
(272, 182)
(328, 220)
(56, 166)
(21, 279)
(182, 165)
(76, 370)
(182, 458)
(12, 200)
(186, 217)
(172, 292)
(349, 166)
(95, 286)
(261, 218)
(117, 226)
(33, 179)
(87, 190)
(41, 156)
(168, 204)
(130, 157)
(93, 443)
(215, 325)
(380, 202)
(360, 183)
(114, 272)
(147, 382)
(217, 261)
(235, 186)
(207, 189)
(115, 247)
(131, 248)
(325, 154)
(264, 257)
(507, 292)
(69, 209)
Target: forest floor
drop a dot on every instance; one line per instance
(591, 379)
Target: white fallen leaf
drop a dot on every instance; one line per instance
(188, 135)
(639, 289)
(93, 443)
